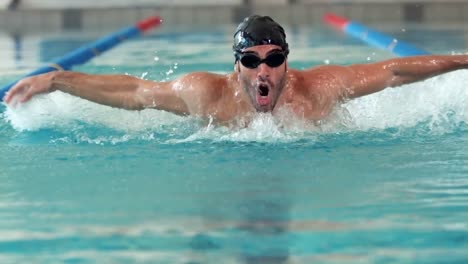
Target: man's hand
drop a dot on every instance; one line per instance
(28, 87)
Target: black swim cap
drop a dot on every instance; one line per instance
(259, 30)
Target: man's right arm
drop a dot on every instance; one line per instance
(121, 91)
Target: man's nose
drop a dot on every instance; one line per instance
(263, 71)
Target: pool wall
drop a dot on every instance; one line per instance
(50, 15)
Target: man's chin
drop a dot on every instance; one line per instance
(264, 108)
(263, 103)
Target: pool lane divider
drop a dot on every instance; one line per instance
(372, 37)
(91, 50)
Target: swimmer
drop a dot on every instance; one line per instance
(261, 81)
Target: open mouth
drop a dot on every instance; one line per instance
(263, 98)
(263, 90)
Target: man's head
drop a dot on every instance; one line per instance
(261, 50)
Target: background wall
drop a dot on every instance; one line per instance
(56, 15)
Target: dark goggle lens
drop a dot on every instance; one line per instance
(275, 60)
(252, 61)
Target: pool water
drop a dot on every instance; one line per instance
(383, 180)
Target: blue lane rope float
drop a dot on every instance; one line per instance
(89, 51)
(372, 37)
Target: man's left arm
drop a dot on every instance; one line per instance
(363, 79)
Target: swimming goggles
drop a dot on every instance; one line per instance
(252, 61)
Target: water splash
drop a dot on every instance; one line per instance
(436, 106)
(439, 101)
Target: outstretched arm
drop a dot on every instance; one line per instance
(362, 79)
(120, 91)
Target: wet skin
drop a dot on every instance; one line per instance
(310, 94)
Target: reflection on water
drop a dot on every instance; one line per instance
(264, 231)
(199, 202)
(263, 219)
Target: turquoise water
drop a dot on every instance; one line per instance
(383, 180)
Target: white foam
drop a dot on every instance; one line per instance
(433, 100)
(441, 101)
(60, 110)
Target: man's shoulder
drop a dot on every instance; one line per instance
(204, 85)
(205, 78)
(321, 74)
(202, 90)
(319, 70)
(323, 79)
